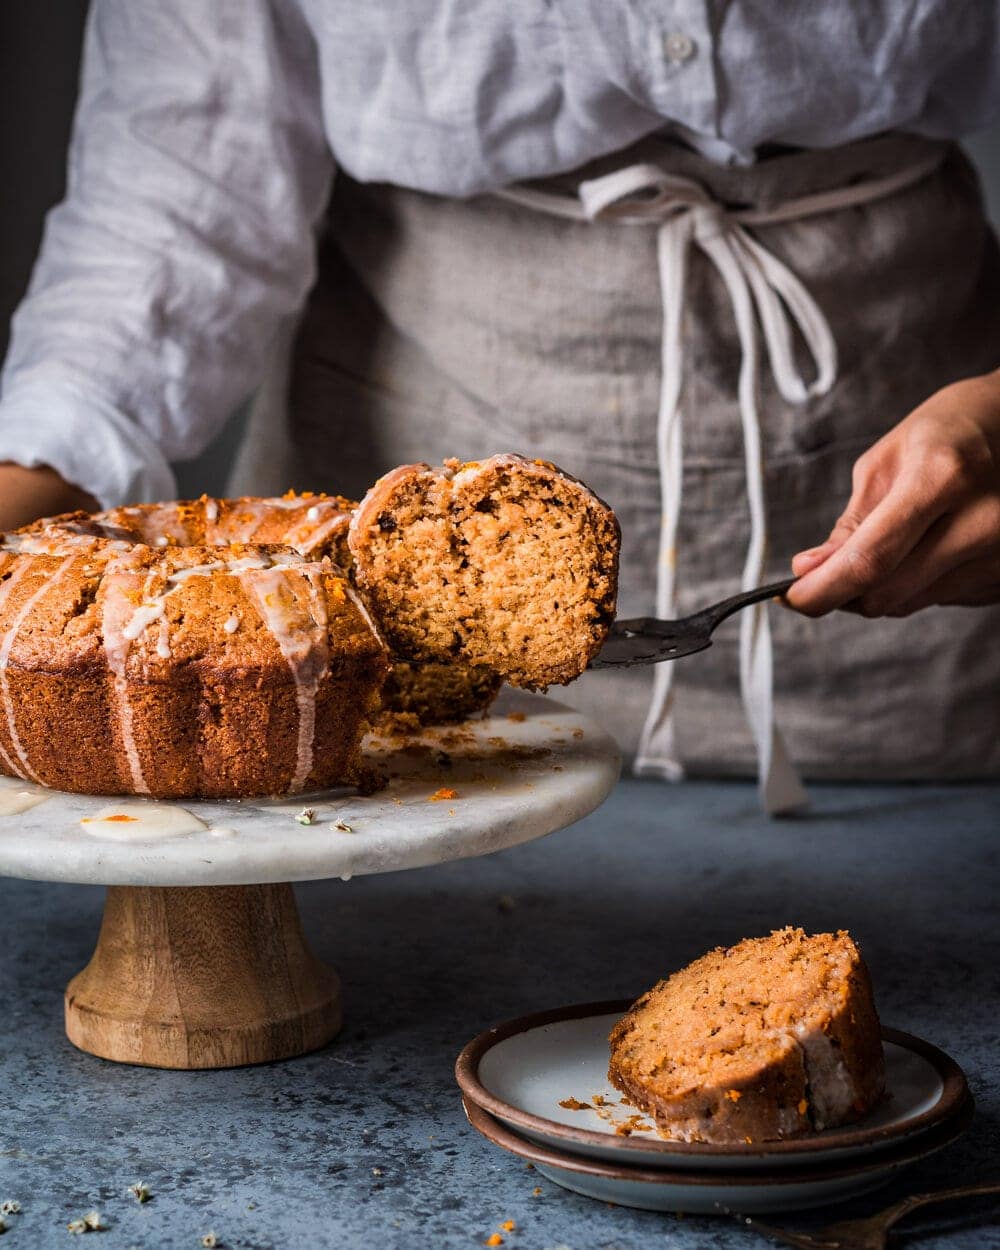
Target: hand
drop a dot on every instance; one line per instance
(923, 522)
(27, 494)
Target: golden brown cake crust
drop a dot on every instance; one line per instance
(181, 670)
(507, 562)
(768, 1039)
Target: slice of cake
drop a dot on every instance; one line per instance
(505, 563)
(771, 1038)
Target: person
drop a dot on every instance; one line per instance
(724, 262)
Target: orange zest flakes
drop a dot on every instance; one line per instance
(574, 1104)
(494, 1239)
(444, 793)
(733, 1095)
(120, 817)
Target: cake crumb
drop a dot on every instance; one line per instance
(306, 817)
(574, 1104)
(803, 1106)
(342, 826)
(10, 1207)
(734, 1095)
(211, 1240)
(444, 793)
(508, 1226)
(494, 1239)
(140, 1191)
(536, 1192)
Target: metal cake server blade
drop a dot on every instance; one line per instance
(646, 640)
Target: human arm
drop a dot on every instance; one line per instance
(922, 525)
(197, 170)
(26, 494)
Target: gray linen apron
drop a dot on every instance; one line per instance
(444, 327)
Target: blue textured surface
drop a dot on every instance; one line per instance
(285, 1155)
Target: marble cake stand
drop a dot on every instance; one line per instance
(201, 960)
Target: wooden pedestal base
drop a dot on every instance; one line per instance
(202, 977)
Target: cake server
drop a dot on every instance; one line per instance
(646, 640)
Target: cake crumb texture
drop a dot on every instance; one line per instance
(506, 563)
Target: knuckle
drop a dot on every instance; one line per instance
(868, 565)
(956, 468)
(863, 471)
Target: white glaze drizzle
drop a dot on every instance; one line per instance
(17, 797)
(144, 820)
(5, 647)
(302, 640)
(5, 589)
(163, 639)
(116, 618)
(309, 533)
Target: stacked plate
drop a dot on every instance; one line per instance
(538, 1087)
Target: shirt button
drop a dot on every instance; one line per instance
(678, 47)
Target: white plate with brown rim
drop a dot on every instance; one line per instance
(545, 1077)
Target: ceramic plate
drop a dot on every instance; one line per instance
(716, 1192)
(545, 1076)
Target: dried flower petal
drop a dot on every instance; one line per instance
(10, 1207)
(306, 816)
(140, 1191)
(210, 1239)
(342, 826)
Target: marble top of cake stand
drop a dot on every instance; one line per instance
(532, 766)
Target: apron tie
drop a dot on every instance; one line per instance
(763, 292)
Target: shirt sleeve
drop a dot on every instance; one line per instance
(197, 170)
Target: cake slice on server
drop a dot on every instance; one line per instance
(774, 1037)
(508, 563)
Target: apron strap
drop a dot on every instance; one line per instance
(764, 293)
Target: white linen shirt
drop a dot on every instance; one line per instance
(206, 136)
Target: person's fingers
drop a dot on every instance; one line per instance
(872, 552)
(871, 480)
(952, 541)
(806, 561)
(972, 584)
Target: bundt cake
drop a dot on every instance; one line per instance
(771, 1038)
(180, 671)
(507, 563)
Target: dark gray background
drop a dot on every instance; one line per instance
(39, 61)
